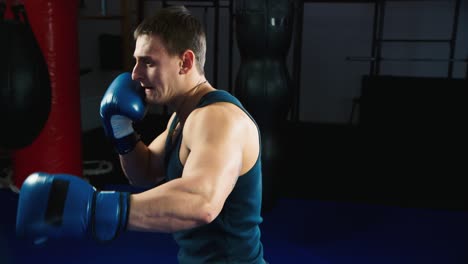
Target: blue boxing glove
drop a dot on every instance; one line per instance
(66, 206)
(122, 104)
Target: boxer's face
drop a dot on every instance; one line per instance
(155, 69)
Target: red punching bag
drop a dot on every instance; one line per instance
(57, 149)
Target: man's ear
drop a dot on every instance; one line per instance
(187, 61)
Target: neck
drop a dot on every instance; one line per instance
(186, 103)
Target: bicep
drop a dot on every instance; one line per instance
(215, 156)
(216, 166)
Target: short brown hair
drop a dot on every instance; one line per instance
(179, 30)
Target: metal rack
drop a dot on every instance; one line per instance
(378, 40)
(124, 17)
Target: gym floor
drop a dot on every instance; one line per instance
(326, 212)
(294, 231)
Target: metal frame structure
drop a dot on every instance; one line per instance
(378, 39)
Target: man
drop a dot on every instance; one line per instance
(203, 173)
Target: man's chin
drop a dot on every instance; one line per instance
(153, 99)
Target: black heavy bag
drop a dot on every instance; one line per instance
(263, 85)
(25, 92)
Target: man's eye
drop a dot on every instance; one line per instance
(149, 63)
(145, 61)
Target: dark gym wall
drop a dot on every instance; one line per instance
(338, 161)
(331, 33)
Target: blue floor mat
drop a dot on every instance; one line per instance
(294, 231)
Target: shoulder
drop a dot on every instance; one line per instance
(215, 103)
(220, 112)
(219, 119)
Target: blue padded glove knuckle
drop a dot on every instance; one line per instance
(61, 205)
(53, 206)
(122, 97)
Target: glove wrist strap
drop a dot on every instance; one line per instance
(126, 144)
(110, 214)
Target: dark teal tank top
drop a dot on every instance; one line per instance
(234, 236)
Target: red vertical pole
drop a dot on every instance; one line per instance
(8, 13)
(58, 148)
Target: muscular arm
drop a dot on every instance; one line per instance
(215, 139)
(144, 166)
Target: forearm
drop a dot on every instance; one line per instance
(169, 208)
(136, 167)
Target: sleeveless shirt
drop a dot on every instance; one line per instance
(234, 235)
